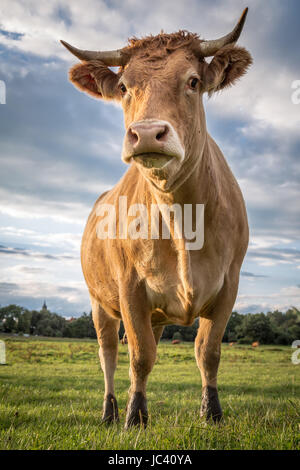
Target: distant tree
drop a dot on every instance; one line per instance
(274, 327)
(177, 335)
(277, 318)
(24, 322)
(245, 340)
(169, 331)
(10, 317)
(255, 327)
(9, 324)
(81, 327)
(282, 337)
(188, 333)
(234, 321)
(286, 326)
(294, 332)
(35, 319)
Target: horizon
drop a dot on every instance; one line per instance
(90, 311)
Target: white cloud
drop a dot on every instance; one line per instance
(283, 299)
(259, 242)
(41, 27)
(72, 293)
(64, 240)
(266, 195)
(29, 206)
(263, 96)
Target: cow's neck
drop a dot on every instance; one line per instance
(199, 187)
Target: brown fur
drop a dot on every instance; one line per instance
(164, 43)
(152, 283)
(227, 66)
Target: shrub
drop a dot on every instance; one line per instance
(177, 335)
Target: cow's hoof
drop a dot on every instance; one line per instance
(137, 413)
(110, 410)
(210, 406)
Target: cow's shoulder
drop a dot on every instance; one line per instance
(229, 218)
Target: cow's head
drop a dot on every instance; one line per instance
(160, 83)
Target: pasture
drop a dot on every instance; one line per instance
(51, 398)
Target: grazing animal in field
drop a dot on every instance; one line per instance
(176, 341)
(255, 344)
(173, 162)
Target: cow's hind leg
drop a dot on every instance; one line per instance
(208, 348)
(107, 329)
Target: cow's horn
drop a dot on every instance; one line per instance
(111, 58)
(209, 48)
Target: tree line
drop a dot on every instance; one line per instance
(268, 328)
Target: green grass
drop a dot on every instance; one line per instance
(51, 398)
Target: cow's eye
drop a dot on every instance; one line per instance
(193, 82)
(123, 88)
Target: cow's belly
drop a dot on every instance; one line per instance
(171, 303)
(177, 292)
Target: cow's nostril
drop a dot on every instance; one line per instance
(162, 134)
(132, 136)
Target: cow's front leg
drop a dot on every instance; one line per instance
(207, 351)
(107, 333)
(208, 348)
(142, 349)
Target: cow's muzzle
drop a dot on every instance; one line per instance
(152, 143)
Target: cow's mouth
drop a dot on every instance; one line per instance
(152, 160)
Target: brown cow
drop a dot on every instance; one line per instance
(152, 282)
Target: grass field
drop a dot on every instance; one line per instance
(51, 398)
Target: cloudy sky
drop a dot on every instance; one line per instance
(59, 149)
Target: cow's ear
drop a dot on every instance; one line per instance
(228, 65)
(96, 79)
